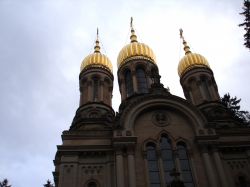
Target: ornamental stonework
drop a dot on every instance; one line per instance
(160, 118)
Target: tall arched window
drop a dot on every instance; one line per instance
(154, 174)
(167, 158)
(128, 83)
(185, 165)
(95, 89)
(141, 80)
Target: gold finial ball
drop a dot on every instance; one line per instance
(135, 50)
(190, 61)
(96, 60)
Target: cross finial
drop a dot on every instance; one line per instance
(97, 46)
(133, 37)
(186, 47)
(131, 22)
(181, 33)
(97, 33)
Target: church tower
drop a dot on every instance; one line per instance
(136, 67)
(85, 158)
(196, 77)
(156, 138)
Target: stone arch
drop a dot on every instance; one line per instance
(141, 65)
(191, 79)
(197, 120)
(185, 141)
(95, 75)
(91, 181)
(147, 141)
(165, 133)
(106, 79)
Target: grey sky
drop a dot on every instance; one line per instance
(42, 44)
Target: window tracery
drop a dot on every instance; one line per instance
(168, 157)
(185, 165)
(153, 169)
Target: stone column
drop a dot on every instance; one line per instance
(161, 168)
(220, 169)
(119, 168)
(61, 175)
(177, 162)
(214, 92)
(108, 174)
(131, 167)
(81, 96)
(148, 79)
(201, 88)
(191, 95)
(208, 167)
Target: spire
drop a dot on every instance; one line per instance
(97, 46)
(186, 47)
(133, 37)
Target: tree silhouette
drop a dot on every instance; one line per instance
(5, 183)
(246, 23)
(48, 184)
(232, 104)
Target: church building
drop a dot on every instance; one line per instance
(156, 139)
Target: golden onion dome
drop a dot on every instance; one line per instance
(190, 60)
(96, 59)
(135, 50)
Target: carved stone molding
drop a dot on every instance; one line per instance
(160, 118)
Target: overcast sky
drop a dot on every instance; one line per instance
(42, 44)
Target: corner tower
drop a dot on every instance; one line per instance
(96, 78)
(85, 157)
(136, 66)
(196, 77)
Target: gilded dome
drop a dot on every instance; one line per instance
(135, 50)
(96, 59)
(190, 60)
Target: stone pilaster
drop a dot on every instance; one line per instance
(220, 168)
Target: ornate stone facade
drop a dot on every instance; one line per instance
(154, 132)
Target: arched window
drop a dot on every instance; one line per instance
(167, 158)
(83, 85)
(185, 165)
(92, 184)
(154, 174)
(141, 81)
(106, 91)
(95, 88)
(206, 92)
(128, 83)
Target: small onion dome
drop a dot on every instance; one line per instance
(135, 50)
(190, 60)
(96, 59)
